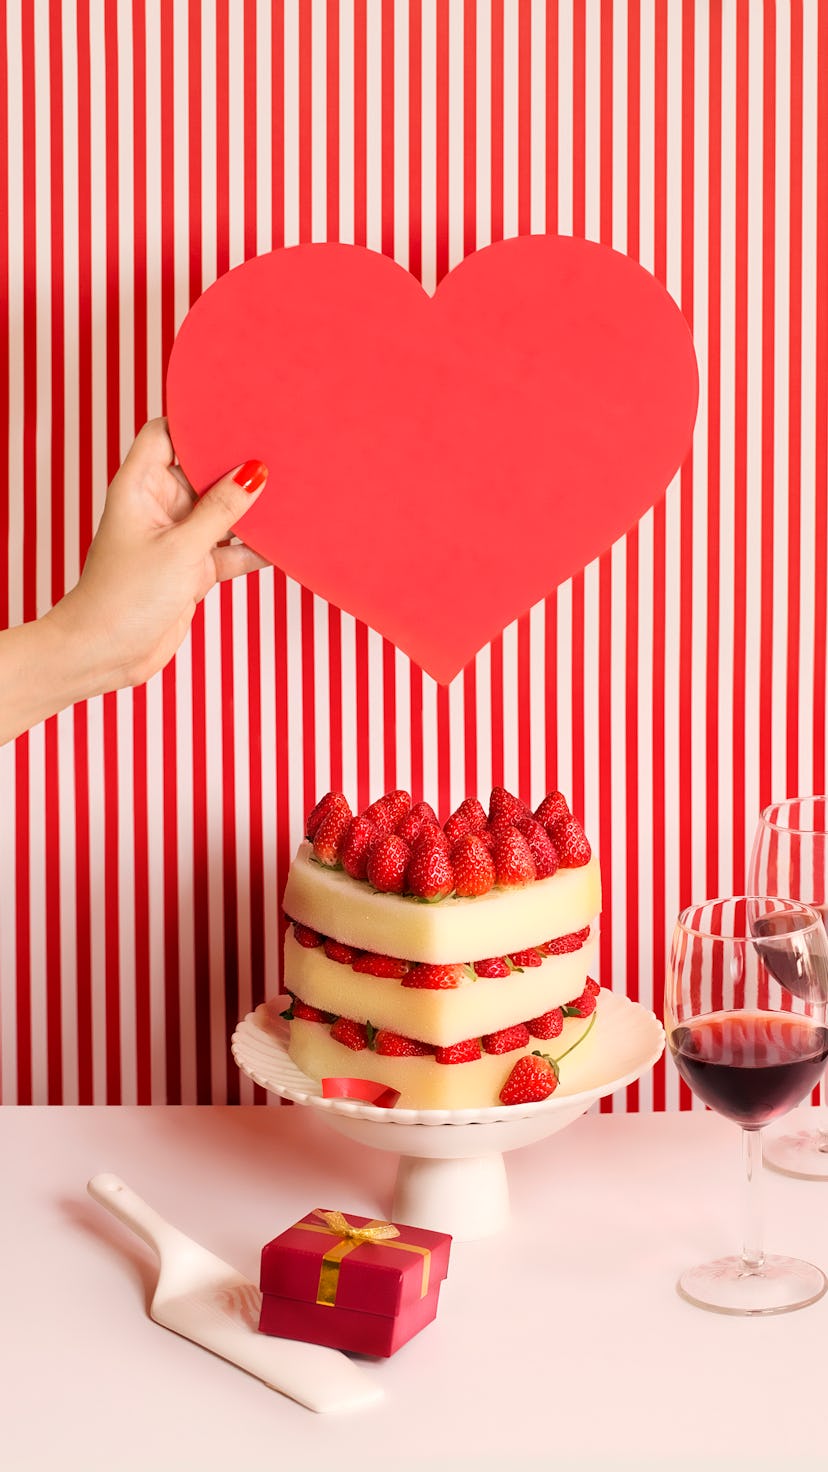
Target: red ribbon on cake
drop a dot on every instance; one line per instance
(363, 1089)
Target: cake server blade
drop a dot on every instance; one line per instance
(207, 1301)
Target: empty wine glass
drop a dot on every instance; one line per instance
(790, 858)
(744, 1012)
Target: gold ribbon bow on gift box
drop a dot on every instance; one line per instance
(350, 1237)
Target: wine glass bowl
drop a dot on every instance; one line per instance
(790, 858)
(744, 1013)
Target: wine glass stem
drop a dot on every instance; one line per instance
(753, 1255)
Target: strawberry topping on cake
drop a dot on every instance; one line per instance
(442, 955)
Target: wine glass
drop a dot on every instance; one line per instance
(744, 1012)
(790, 857)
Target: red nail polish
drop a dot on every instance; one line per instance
(251, 475)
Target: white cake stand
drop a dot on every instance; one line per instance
(452, 1176)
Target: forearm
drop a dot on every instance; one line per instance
(43, 669)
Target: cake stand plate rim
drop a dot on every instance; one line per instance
(305, 1090)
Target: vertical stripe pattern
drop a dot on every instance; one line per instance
(672, 688)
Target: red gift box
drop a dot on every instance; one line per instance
(351, 1283)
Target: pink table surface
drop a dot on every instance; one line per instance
(560, 1344)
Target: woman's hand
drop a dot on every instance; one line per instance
(155, 555)
(157, 551)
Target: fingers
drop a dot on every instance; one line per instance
(178, 475)
(218, 510)
(235, 560)
(153, 443)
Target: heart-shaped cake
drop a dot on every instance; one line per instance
(437, 464)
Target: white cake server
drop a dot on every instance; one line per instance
(206, 1300)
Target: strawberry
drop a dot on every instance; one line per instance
(583, 934)
(330, 836)
(388, 859)
(350, 1034)
(507, 1039)
(503, 804)
(370, 964)
(332, 802)
(412, 825)
(552, 809)
(389, 810)
(308, 1014)
(336, 951)
(424, 810)
(500, 828)
(435, 834)
(399, 801)
(472, 810)
(455, 826)
(307, 937)
(561, 945)
(592, 986)
(529, 957)
(514, 865)
(381, 814)
(534, 1077)
(465, 1052)
(550, 1025)
(541, 847)
(430, 875)
(393, 1045)
(494, 966)
(571, 842)
(470, 817)
(434, 978)
(582, 1006)
(359, 836)
(423, 828)
(474, 870)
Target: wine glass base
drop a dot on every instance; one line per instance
(728, 1287)
(797, 1155)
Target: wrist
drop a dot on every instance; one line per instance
(45, 666)
(82, 663)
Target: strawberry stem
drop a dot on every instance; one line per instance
(577, 1044)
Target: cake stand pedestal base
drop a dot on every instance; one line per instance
(451, 1174)
(468, 1198)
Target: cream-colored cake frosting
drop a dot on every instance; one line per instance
(349, 1023)
(450, 930)
(422, 1083)
(477, 1006)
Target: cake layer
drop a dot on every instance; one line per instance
(479, 1006)
(422, 1082)
(449, 930)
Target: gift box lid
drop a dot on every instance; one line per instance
(375, 1277)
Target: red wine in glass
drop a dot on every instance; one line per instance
(745, 1016)
(751, 1067)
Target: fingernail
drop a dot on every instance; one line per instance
(251, 475)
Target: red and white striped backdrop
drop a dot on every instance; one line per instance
(678, 683)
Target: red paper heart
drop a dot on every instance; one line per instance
(437, 465)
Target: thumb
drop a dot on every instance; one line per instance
(217, 511)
